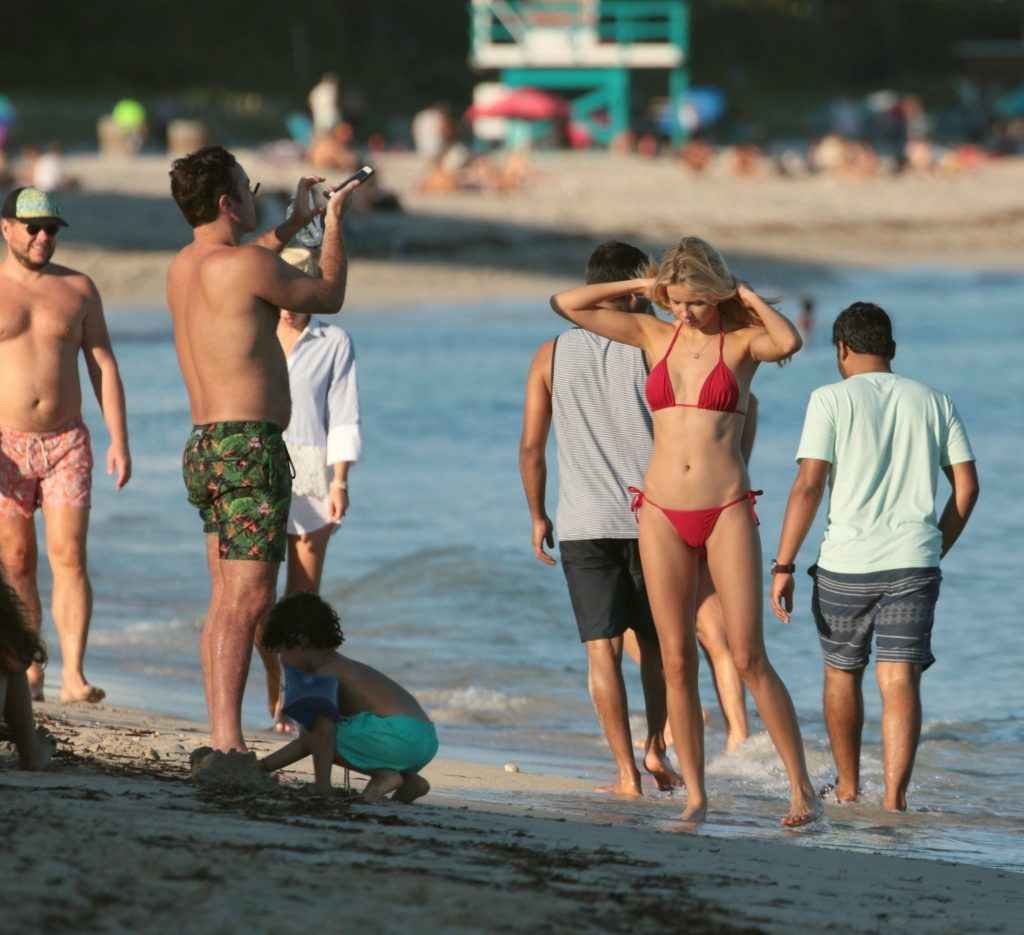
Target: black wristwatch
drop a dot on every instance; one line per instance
(778, 569)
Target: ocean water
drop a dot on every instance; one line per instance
(437, 585)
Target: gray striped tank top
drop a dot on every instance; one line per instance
(603, 428)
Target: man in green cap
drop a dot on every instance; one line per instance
(48, 313)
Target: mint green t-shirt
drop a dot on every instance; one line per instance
(886, 438)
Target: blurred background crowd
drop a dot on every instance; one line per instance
(852, 88)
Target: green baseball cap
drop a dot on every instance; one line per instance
(31, 204)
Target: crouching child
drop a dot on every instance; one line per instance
(349, 714)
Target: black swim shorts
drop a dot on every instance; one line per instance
(606, 586)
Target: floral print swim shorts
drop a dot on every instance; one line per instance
(45, 469)
(238, 476)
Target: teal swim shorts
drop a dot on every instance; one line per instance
(397, 741)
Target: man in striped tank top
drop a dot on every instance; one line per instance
(593, 391)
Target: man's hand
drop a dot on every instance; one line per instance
(783, 586)
(119, 463)
(543, 535)
(303, 212)
(339, 202)
(337, 505)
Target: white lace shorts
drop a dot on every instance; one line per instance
(308, 514)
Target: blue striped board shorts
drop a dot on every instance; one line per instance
(897, 607)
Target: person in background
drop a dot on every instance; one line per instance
(805, 320)
(323, 437)
(324, 106)
(878, 441)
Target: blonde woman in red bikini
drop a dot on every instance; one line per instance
(697, 499)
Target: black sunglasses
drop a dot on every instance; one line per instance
(51, 229)
(255, 189)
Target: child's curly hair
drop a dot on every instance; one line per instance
(19, 643)
(305, 620)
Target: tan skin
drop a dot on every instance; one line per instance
(604, 657)
(360, 689)
(899, 682)
(306, 552)
(697, 463)
(35, 747)
(224, 299)
(49, 314)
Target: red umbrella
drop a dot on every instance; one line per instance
(523, 104)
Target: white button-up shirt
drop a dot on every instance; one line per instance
(324, 428)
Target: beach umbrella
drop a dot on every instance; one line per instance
(129, 114)
(698, 109)
(523, 104)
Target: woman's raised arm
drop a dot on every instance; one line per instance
(591, 307)
(780, 338)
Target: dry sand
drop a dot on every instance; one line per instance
(115, 838)
(472, 246)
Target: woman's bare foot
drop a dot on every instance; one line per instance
(36, 676)
(695, 812)
(282, 725)
(628, 785)
(83, 694)
(413, 787)
(666, 777)
(734, 741)
(41, 754)
(382, 783)
(804, 807)
(841, 793)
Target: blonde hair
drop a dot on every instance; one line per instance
(699, 265)
(302, 259)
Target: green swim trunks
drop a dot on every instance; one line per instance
(239, 477)
(366, 742)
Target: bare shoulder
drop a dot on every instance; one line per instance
(544, 352)
(76, 286)
(338, 666)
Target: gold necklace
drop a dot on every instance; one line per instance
(700, 353)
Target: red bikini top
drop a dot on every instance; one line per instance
(720, 392)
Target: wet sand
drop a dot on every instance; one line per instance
(117, 838)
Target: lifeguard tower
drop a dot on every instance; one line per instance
(589, 48)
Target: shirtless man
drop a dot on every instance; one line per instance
(224, 300)
(48, 313)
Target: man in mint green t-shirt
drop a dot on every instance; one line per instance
(878, 441)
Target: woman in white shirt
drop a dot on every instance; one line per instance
(323, 437)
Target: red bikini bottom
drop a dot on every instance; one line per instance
(694, 526)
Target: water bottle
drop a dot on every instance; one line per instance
(312, 235)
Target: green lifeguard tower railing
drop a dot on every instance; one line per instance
(589, 47)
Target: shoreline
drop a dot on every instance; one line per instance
(119, 797)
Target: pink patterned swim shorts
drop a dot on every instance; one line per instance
(45, 469)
